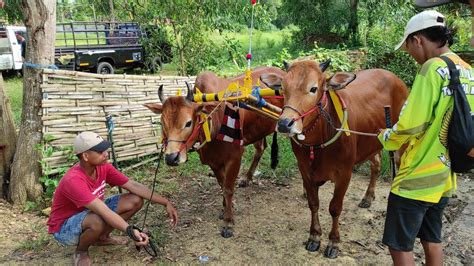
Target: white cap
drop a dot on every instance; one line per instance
(88, 140)
(421, 21)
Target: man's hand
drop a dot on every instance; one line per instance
(144, 239)
(172, 213)
(471, 153)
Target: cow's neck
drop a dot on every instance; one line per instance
(215, 121)
(319, 130)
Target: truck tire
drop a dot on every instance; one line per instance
(105, 68)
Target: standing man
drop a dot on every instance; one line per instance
(421, 188)
(80, 216)
(22, 42)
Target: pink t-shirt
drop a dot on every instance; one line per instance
(76, 189)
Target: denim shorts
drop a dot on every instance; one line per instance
(408, 219)
(71, 229)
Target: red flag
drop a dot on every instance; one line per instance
(254, 2)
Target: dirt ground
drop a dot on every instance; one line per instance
(272, 223)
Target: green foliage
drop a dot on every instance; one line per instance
(30, 206)
(317, 20)
(49, 180)
(12, 11)
(340, 60)
(382, 27)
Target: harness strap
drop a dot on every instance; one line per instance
(310, 111)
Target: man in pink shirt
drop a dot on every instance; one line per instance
(81, 217)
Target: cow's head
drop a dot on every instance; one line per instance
(178, 118)
(303, 87)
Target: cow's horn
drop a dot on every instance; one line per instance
(325, 65)
(160, 94)
(286, 65)
(190, 94)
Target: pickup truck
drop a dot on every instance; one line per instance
(100, 47)
(10, 48)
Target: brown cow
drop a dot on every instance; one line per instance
(304, 86)
(179, 116)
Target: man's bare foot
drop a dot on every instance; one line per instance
(81, 258)
(112, 240)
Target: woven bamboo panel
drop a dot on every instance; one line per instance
(76, 101)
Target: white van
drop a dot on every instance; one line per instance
(10, 49)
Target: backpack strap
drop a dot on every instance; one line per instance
(454, 81)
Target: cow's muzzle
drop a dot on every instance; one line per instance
(285, 125)
(172, 159)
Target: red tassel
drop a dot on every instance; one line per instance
(254, 2)
(311, 153)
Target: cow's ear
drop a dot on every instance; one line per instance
(272, 81)
(340, 80)
(154, 107)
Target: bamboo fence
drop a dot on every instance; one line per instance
(76, 101)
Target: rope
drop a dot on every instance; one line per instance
(151, 248)
(39, 66)
(357, 132)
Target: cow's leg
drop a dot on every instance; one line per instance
(220, 176)
(231, 171)
(312, 191)
(335, 209)
(374, 174)
(260, 147)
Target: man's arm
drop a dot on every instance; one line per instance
(110, 217)
(113, 219)
(144, 192)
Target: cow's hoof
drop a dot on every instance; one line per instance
(243, 183)
(312, 245)
(227, 232)
(364, 203)
(331, 252)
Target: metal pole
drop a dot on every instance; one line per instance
(388, 124)
(109, 122)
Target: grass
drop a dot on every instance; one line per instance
(265, 48)
(14, 90)
(36, 242)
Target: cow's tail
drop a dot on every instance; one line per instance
(274, 151)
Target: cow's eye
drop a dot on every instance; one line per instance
(188, 124)
(313, 89)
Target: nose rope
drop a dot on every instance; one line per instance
(310, 111)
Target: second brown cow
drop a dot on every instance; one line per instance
(309, 115)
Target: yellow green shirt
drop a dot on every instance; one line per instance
(425, 172)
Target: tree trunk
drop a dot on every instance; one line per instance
(40, 22)
(7, 140)
(354, 23)
(180, 48)
(112, 10)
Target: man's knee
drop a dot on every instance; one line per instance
(94, 223)
(133, 202)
